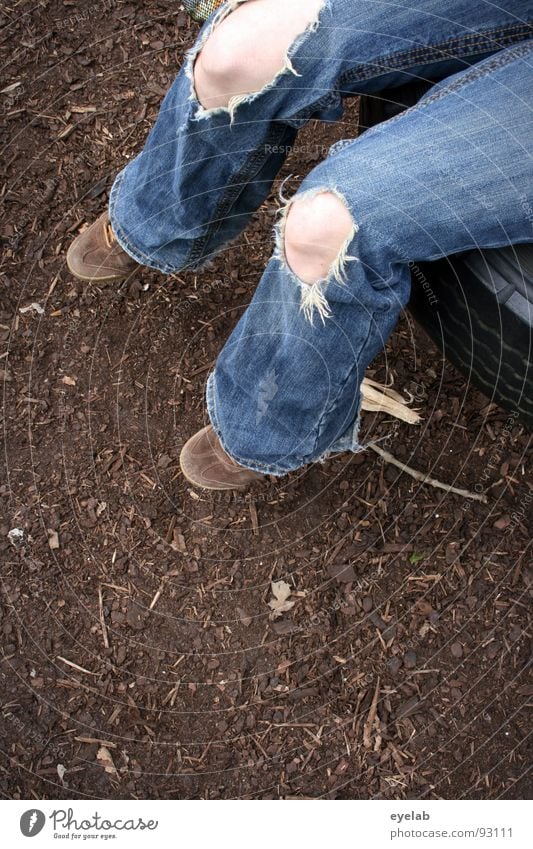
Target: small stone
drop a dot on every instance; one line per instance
(368, 604)
(53, 539)
(456, 649)
(502, 523)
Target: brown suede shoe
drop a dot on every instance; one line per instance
(204, 463)
(96, 256)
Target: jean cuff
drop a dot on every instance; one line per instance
(124, 240)
(348, 442)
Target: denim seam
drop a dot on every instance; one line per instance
(394, 62)
(404, 61)
(239, 182)
(124, 242)
(235, 189)
(499, 60)
(476, 71)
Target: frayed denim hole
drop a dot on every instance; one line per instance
(313, 295)
(201, 112)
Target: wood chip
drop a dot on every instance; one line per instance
(342, 572)
(369, 724)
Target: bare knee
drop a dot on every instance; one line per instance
(249, 48)
(316, 231)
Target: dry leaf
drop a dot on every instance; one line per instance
(69, 381)
(101, 508)
(105, 759)
(33, 307)
(279, 604)
(245, 618)
(383, 399)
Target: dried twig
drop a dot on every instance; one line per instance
(423, 478)
(253, 517)
(369, 724)
(157, 596)
(75, 665)
(102, 618)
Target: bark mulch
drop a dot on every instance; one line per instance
(140, 657)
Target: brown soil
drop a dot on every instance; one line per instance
(135, 611)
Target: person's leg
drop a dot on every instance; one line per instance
(261, 69)
(452, 174)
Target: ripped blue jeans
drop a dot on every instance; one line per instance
(453, 173)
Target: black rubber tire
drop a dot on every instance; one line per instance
(482, 318)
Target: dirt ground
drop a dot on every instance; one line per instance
(139, 658)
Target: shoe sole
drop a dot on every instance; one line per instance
(212, 488)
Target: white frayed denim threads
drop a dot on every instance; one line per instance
(234, 102)
(312, 294)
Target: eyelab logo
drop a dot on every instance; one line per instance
(32, 822)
